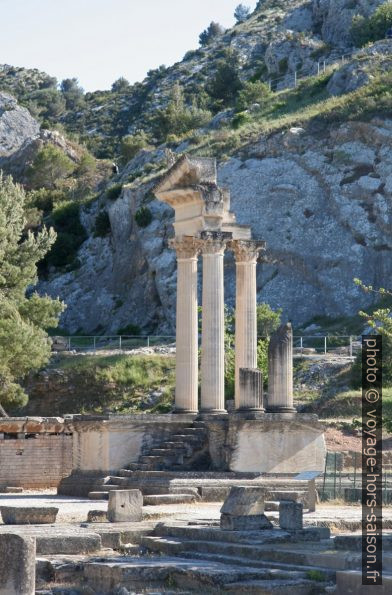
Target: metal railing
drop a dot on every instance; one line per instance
(339, 482)
(291, 80)
(303, 344)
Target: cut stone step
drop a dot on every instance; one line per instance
(157, 499)
(205, 533)
(168, 452)
(277, 587)
(247, 552)
(330, 575)
(138, 467)
(106, 487)
(187, 574)
(350, 581)
(68, 543)
(98, 495)
(354, 542)
(174, 444)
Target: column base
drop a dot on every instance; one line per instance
(279, 409)
(249, 413)
(208, 412)
(188, 411)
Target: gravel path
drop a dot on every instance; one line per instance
(74, 510)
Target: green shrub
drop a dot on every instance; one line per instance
(178, 117)
(225, 83)
(268, 320)
(240, 119)
(70, 235)
(132, 143)
(114, 191)
(253, 92)
(213, 31)
(364, 30)
(143, 216)
(45, 199)
(50, 165)
(102, 225)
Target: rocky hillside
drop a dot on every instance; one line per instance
(310, 168)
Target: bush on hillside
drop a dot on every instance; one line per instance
(102, 225)
(208, 35)
(365, 30)
(178, 117)
(44, 199)
(70, 235)
(225, 84)
(252, 92)
(50, 165)
(72, 93)
(241, 13)
(114, 191)
(143, 216)
(121, 85)
(132, 144)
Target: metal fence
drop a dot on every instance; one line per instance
(306, 344)
(340, 482)
(291, 80)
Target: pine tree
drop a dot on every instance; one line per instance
(241, 13)
(212, 31)
(24, 344)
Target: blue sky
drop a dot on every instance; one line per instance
(100, 40)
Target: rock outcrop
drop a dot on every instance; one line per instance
(16, 125)
(321, 200)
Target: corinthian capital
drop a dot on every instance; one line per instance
(214, 242)
(246, 250)
(186, 247)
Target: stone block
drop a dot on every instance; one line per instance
(17, 565)
(243, 509)
(66, 543)
(19, 515)
(125, 506)
(291, 515)
(244, 523)
(97, 516)
(13, 489)
(245, 501)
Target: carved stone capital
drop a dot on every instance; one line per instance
(246, 250)
(214, 242)
(187, 247)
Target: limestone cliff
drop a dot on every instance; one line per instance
(322, 201)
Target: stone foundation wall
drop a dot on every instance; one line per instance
(275, 443)
(35, 462)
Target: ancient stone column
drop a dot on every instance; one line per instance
(212, 347)
(280, 370)
(251, 390)
(246, 253)
(186, 399)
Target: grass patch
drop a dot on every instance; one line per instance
(297, 107)
(116, 383)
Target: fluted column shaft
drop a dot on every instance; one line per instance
(280, 370)
(186, 398)
(212, 350)
(246, 253)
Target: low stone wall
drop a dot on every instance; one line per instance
(34, 452)
(109, 443)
